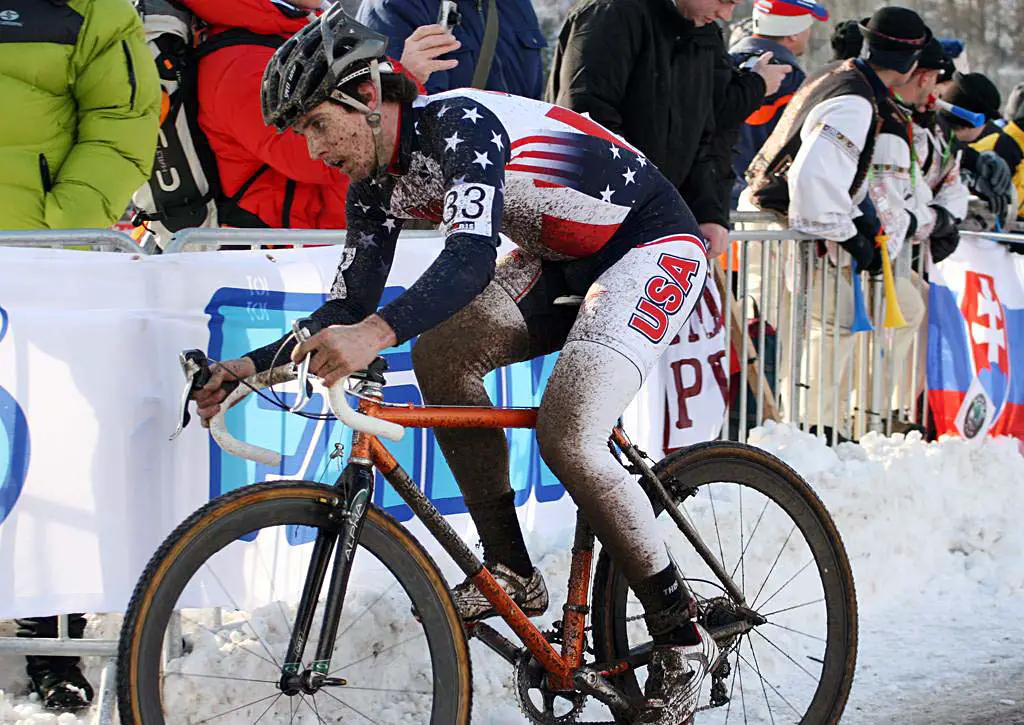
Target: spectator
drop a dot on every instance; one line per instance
(83, 99)
(280, 185)
(517, 65)
(286, 189)
(656, 72)
(782, 28)
(79, 137)
(812, 172)
(990, 155)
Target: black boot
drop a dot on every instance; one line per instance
(58, 681)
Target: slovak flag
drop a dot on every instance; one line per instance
(976, 341)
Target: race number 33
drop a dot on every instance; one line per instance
(663, 297)
(467, 210)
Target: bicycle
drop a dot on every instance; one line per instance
(557, 672)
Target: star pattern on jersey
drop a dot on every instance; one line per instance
(452, 142)
(389, 224)
(496, 140)
(361, 206)
(362, 240)
(471, 114)
(482, 159)
(629, 176)
(615, 151)
(606, 195)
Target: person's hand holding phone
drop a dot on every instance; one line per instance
(424, 48)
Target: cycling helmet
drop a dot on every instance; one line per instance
(313, 65)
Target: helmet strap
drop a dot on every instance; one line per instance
(373, 117)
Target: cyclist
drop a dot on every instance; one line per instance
(591, 217)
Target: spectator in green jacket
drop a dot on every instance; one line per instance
(82, 105)
(78, 134)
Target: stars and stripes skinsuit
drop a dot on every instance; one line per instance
(590, 217)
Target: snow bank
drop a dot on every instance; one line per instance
(931, 529)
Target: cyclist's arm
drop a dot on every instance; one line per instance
(474, 179)
(362, 272)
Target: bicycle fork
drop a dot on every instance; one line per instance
(356, 487)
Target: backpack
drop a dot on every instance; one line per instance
(184, 189)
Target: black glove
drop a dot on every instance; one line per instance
(867, 226)
(993, 182)
(945, 236)
(865, 253)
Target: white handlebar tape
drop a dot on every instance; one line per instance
(358, 421)
(219, 431)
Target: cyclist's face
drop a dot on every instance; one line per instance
(340, 138)
(702, 12)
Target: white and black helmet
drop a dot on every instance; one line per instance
(313, 65)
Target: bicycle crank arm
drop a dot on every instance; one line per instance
(497, 642)
(591, 682)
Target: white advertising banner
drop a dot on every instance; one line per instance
(89, 388)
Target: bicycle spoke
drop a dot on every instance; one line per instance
(732, 689)
(757, 669)
(388, 689)
(236, 709)
(316, 710)
(788, 582)
(361, 714)
(273, 588)
(743, 690)
(786, 655)
(279, 696)
(291, 707)
(266, 648)
(775, 563)
(775, 690)
(743, 567)
(377, 654)
(367, 609)
(221, 677)
(225, 640)
(753, 531)
(797, 631)
(797, 606)
(718, 533)
(304, 701)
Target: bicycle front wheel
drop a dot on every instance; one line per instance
(208, 627)
(788, 631)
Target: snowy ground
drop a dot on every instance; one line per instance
(934, 535)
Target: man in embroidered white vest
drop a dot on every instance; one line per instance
(815, 170)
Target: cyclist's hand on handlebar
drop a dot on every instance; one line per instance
(341, 350)
(224, 378)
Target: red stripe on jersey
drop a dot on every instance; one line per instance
(585, 125)
(577, 239)
(552, 140)
(677, 238)
(546, 155)
(541, 184)
(541, 170)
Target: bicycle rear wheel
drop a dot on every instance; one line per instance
(779, 545)
(181, 662)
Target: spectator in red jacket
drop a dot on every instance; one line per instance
(295, 191)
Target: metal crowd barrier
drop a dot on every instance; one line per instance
(101, 240)
(782, 270)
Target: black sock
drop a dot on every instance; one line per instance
(668, 608)
(500, 533)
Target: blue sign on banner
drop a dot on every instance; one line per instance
(244, 319)
(14, 443)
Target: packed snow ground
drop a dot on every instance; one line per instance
(933, 532)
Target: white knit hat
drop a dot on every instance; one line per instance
(779, 18)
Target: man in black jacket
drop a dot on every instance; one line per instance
(656, 72)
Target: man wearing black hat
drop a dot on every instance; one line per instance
(940, 195)
(813, 172)
(985, 148)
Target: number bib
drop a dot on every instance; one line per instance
(468, 209)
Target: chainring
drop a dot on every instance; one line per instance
(531, 676)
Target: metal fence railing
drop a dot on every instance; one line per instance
(101, 240)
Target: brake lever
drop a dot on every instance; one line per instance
(196, 369)
(303, 329)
